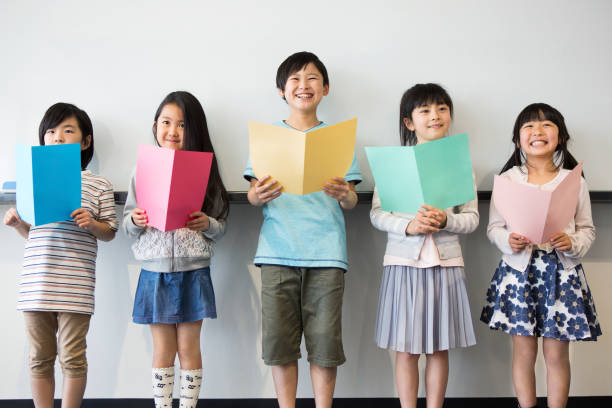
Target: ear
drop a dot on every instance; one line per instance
(281, 93)
(86, 142)
(408, 124)
(325, 90)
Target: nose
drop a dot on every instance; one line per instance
(303, 83)
(58, 138)
(173, 130)
(537, 128)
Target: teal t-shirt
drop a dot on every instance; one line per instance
(303, 230)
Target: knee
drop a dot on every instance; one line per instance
(42, 362)
(188, 352)
(526, 353)
(556, 357)
(74, 361)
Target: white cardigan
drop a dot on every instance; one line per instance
(580, 230)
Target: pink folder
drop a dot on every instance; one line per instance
(535, 213)
(171, 184)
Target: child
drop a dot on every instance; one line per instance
(423, 305)
(541, 290)
(56, 292)
(175, 291)
(302, 251)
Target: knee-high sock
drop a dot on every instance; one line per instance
(191, 381)
(163, 384)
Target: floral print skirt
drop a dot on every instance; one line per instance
(544, 301)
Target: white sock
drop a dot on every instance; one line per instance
(191, 381)
(163, 384)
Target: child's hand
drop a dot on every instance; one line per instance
(139, 217)
(199, 221)
(12, 218)
(337, 188)
(420, 225)
(518, 242)
(267, 189)
(435, 216)
(561, 241)
(83, 219)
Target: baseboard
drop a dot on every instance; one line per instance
(574, 402)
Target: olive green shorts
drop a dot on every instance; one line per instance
(302, 300)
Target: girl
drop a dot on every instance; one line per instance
(541, 290)
(423, 305)
(175, 291)
(56, 292)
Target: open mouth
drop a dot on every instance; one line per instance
(304, 96)
(538, 143)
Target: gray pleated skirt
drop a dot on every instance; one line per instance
(423, 310)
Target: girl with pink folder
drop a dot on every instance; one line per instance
(175, 291)
(541, 290)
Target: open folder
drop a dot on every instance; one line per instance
(171, 184)
(48, 182)
(436, 173)
(302, 162)
(535, 213)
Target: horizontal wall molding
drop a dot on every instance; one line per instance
(365, 197)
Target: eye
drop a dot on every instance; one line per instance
(165, 122)
(50, 132)
(69, 131)
(182, 126)
(425, 110)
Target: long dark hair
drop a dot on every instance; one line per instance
(417, 96)
(58, 113)
(197, 139)
(540, 112)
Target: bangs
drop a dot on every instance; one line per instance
(538, 112)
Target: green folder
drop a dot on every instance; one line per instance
(437, 173)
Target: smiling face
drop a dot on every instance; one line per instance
(539, 138)
(304, 89)
(169, 127)
(429, 122)
(68, 131)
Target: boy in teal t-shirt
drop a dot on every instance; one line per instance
(302, 251)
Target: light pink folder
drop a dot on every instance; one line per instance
(171, 184)
(535, 213)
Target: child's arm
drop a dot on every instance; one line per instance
(385, 220)
(464, 222)
(134, 219)
(577, 244)
(12, 219)
(262, 191)
(100, 229)
(212, 228)
(343, 191)
(498, 232)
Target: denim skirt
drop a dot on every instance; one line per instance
(174, 297)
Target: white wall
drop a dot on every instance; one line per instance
(120, 351)
(118, 59)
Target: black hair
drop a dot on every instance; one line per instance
(295, 63)
(197, 139)
(540, 112)
(58, 113)
(415, 97)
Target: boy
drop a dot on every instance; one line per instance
(302, 251)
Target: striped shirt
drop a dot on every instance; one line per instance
(60, 258)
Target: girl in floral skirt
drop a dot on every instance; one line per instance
(541, 290)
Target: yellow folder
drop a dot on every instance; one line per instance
(302, 162)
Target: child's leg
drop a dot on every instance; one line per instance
(190, 357)
(407, 378)
(164, 354)
(164, 345)
(436, 378)
(524, 354)
(188, 342)
(285, 378)
(41, 328)
(72, 346)
(323, 384)
(556, 357)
